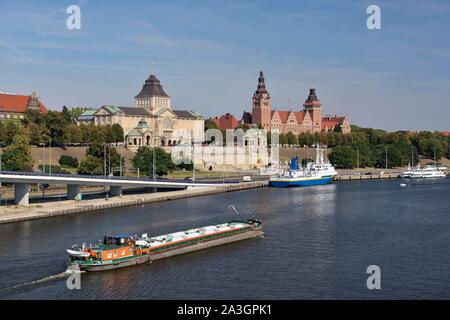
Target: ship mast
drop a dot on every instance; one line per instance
(232, 207)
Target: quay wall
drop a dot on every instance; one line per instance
(72, 206)
(348, 177)
(377, 176)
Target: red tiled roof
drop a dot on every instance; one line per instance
(300, 115)
(284, 115)
(446, 133)
(226, 121)
(331, 122)
(17, 103)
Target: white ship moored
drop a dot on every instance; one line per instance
(421, 173)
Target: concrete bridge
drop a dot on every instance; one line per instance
(22, 181)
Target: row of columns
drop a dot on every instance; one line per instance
(22, 192)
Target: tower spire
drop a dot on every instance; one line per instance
(261, 104)
(261, 88)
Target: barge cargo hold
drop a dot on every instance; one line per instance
(126, 250)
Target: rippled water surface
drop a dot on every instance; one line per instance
(318, 243)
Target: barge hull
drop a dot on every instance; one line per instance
(207, 244)
(103, 267)
(195, 247)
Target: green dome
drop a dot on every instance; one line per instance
(142, 125)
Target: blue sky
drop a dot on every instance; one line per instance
(207, 55)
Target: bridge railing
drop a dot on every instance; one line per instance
(103, 177)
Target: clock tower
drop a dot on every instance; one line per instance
(261, 104)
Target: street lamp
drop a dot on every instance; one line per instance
(357, 157)
(386, 158)
(104, 159)
(50, 160)
(121, 164)
(193, 163)
(154, 164)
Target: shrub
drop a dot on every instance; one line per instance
(68, 161)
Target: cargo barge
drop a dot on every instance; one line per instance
(126, 250)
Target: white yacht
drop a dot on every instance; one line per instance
(421, 173)
(430, 171)
(407, 173)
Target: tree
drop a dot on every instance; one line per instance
(56, 125)
(282, 139)
(92, 134)
(91, 165)
(118, 133)
(104, 153)
(343, 157)
(37, 133)
(108, 133)
(291, 138)
(13, 128)
(210, 124)
(73, 134)
(305, 139)
(32, 116)
(243, 126)
(429, 143)
(143, 160)
(66, 115)
(17, 156)
(75, 113)
(397, 155)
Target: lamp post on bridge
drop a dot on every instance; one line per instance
(386, 158)
(357, 158)
(104, 159)
(120, 164)
(50, 159)
(154, 164)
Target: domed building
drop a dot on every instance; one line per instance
(141, 135)
(152, 96)
(151, 121)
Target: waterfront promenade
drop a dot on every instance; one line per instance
(16, 213)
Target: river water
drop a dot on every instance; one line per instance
(318, 244)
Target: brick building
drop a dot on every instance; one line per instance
(13, 106)
(309, 119)
(226, 121)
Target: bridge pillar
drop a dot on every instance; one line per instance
(73, 190)
(21, 194)
(115, 191)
